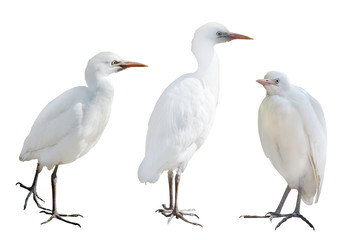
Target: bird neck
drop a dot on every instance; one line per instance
(208, 66)
(100, 85)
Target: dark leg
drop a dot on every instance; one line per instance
(170, 180)
(276, 213)
(54, 213)
(175, 211)
(296, 212)
(32, 190)
(170, 208)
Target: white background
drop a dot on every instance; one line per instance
(44, 48)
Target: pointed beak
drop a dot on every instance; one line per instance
(233, 36)
(128, 64)
(264, 82)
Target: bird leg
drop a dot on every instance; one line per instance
(174, 211)
(296, 213)
(54, 213)
(170, 180)
(276, 213)
(32, 190)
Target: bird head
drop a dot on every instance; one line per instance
(216, 33)
(106, 63)
(275, 83)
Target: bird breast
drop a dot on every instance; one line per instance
(283, 138)
(96, 116)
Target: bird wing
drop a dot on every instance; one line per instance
(316, 130)
(56, 120)
(177, 127)
(300, 117)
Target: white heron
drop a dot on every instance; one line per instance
(183, 116)
(293, 135)
(71, 124)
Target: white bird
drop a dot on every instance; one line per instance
(71, 124)
(293, 135)
(183, 116)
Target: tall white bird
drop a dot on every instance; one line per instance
(183, 116)
(71, 124)
(293, 135)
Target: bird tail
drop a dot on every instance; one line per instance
(24, 156)
(147, 172)
(319, 191)
(308, 199)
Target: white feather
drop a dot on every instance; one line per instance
(184, 113)
(178, 126)
(71, 124)
(292, 131)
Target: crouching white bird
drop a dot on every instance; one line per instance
(71, 124)
(183, 116)
(293, 135)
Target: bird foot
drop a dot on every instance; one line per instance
(298, 215)
(272, 215)
(171, 213)
(165, 207)
(32, 190)
(60, 217)
(269, 215)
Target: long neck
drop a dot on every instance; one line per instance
(102, 88)
(100, 85)
(102, 93)
(208, 66)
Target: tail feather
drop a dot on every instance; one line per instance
(24, 156)
(148, 173)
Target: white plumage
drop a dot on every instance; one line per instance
(71, 124)
(293, 135)
(184, 113)
(178, 126)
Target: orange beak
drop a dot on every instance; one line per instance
(128, 64)
(233, 36)
(264, 82)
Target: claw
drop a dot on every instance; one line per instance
(288, 216)
(36, 194)
(167, 208)
(171, 213)
(32, 190)
(170, 218)
(60, 217)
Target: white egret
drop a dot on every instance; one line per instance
(293, 135)
(183, 116)
(71, 124)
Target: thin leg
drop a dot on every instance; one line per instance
(296, 212)
(171, 206)
(284, 197)
(54, 213)
(32, 190)
(170, 180)
(276, 213)
(175, 212)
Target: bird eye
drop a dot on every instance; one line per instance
(115, 62)
(219, 34)
(277, 80)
